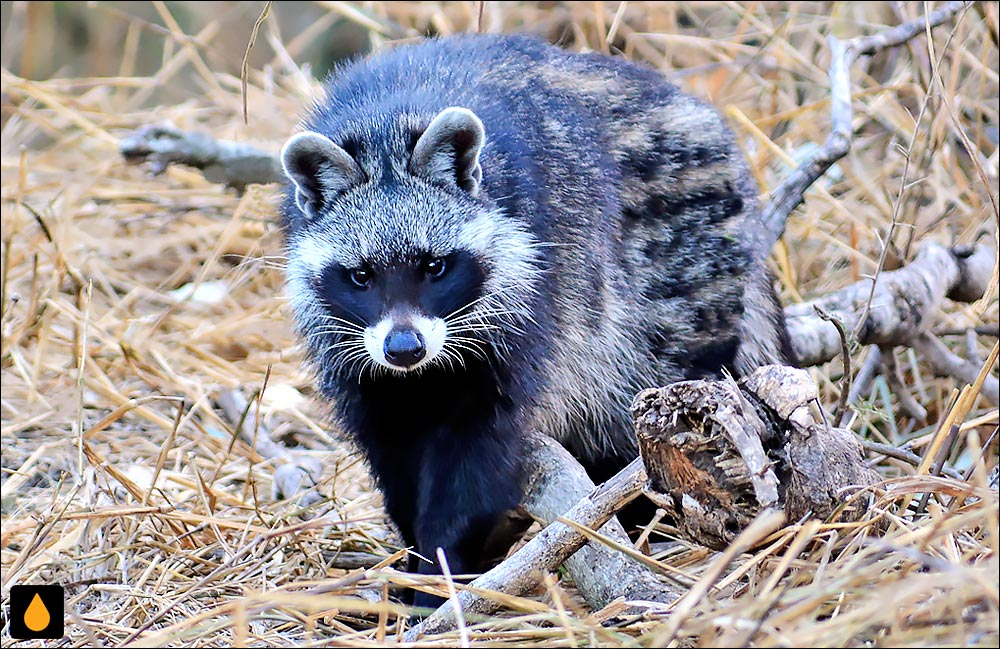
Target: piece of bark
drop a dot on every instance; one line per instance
(822, 465)
(904, 302)
(719, 453)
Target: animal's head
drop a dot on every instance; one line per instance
(396, 259)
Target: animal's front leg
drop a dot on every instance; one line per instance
(468, 480)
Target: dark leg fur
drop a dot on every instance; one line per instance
(447, 474)
(466, 482)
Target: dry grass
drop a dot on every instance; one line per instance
(122, 481)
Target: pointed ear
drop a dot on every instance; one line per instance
(320, 170)
(448, 151)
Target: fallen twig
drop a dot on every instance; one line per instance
(546, 551)
(791, 192)
(845, 352)
(905, 300)
(903, 454)
(894, 375)
(946, 363)
(862, 381)
(556, 482)
(235, 164)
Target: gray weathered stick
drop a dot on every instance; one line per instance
(904, 302)
(556, 483)
(945, 363)
(546, 551)
(236, 164)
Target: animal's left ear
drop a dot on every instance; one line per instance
(448, 151)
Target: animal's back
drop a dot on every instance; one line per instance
(640, 196)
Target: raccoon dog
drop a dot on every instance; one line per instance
(488, 235)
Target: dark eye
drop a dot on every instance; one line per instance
(435, 268)
(360, 277)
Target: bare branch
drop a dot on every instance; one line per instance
(868, 45)
(946, 363)
(791, 192)
(903, 454)
(841, 409)
(556, 482)
(546, 551)
(904, 302)
(894, 375)
(863, 381)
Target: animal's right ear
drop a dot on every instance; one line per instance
(448, 151)
(319, 169)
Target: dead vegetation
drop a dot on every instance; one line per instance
(131, 302)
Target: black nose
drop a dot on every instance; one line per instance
(404, 347)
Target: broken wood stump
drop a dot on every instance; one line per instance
(717, 453)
